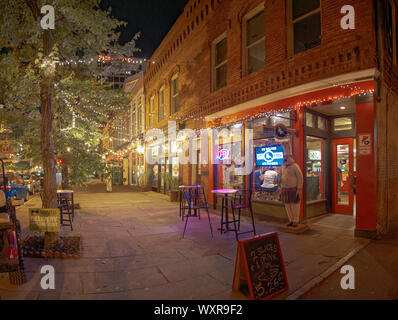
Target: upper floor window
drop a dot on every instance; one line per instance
(133, 124)
(139, 116)
(152, 112)
(220, 64)
(305, 25)
(174, 94)
(255, 42)
(161, 104)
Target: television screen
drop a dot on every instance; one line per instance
(269, 155)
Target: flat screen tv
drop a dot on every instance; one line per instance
(269, 156)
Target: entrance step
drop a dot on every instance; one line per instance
(297, 229)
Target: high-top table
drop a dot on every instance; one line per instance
(224, 205)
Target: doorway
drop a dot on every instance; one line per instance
(343, 176)
(330, 159)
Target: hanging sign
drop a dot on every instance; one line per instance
(259, 267)
(365, 144)
(44, 220)
(281, 131)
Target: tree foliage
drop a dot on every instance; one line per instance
(82, 105)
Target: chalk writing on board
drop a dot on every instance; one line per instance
(265, 266)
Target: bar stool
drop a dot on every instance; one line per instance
(242, 201)
(65, 209)
(227, 203)
(196, 200)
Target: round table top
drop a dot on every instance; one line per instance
(224, 191)
(189, 187)
(64, 191)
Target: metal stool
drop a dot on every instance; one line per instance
(242, 200)
(196, 200)
(65, 209)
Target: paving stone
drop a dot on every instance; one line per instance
(133, 249)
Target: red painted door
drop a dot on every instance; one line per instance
(343, 170)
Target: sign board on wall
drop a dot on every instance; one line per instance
(44, 220)
(365, 144)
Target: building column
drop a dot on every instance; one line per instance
(365, 225)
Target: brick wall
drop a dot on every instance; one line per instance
(387, 132)
(189, 55)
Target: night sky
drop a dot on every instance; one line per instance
(153, 18)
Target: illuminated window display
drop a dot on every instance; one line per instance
(315, 173)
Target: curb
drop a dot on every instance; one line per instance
(318, 279)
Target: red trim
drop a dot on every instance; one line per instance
(297, 101)
(366, 169)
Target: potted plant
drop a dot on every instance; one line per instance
(143, 182)
(174, 191)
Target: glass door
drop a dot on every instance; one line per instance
(343, 171)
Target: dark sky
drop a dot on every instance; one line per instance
(153, 18)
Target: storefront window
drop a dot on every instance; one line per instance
(226, 155)
(268, 159)
(315, 173)
(282, 118)
(309, 120)
(322, 123)
(340, 124)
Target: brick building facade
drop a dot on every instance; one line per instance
(263, 63)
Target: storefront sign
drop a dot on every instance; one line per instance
(269, 156)
(223, 154)
(365, 144)
(281, 131)
(44, 220)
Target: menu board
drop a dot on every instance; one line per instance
(259, 264)
(44, 220)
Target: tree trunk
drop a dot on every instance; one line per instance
(47, 119)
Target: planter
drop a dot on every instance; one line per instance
(174, 195)
(145, 188)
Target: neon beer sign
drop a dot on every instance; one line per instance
(223, 154)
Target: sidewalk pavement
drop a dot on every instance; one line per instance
(133, 250)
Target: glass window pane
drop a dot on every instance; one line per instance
(285, 120)
(307, 33)
(343, 165)
(321, 123)
(221, 76)
(310, 120)
(256, 57)
(174, 104)
(340, 124)
(221, 51)
(255, 28)
(174, 86)
(302, 7)
(315, 175)
(264, 178)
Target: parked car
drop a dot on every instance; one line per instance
(32, 182)
(15, 189)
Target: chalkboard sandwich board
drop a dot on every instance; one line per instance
(259, 266)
